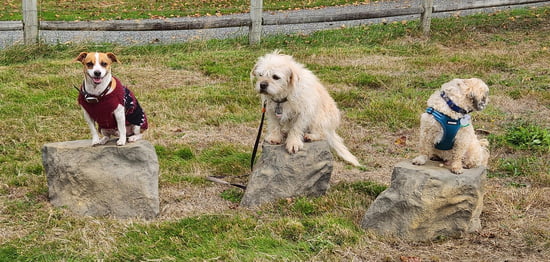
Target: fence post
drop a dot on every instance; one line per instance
(30, 22)
(426, 16)
(256, 8)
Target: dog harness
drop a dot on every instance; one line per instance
(450, 129)
(102, 111)
(450, 126)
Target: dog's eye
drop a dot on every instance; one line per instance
(276, 77)
(103, 64)
(90, 64)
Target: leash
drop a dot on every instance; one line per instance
(258, 137)
(254, 151)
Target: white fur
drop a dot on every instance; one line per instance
(309, 112)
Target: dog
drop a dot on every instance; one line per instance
(105, 101)
(298, 107)
(445, 129)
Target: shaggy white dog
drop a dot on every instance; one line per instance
(445, 129)
(298, 107)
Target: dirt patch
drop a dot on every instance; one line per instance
(521, 109)
(152, 76)
(191, 200)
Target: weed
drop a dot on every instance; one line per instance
(524, 136)
(303, 206)
(185, 153)
(517, 166)
(226, 159)
(363, 187)
(233, 194)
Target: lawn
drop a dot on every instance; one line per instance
(203, 117)
(70, 10)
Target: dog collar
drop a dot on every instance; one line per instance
(278, 107)
(94, 99)
(452, 105)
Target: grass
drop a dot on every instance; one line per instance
(204, 114)
(70, 10)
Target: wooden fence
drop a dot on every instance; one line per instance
(255, 21)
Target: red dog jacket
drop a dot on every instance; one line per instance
(102, 111)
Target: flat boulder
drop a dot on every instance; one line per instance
(105, 180)
(426, 202)
(280, 175)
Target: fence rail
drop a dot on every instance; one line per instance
(30, 24)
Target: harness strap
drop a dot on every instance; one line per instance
(450, 129)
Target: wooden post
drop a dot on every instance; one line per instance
(255, 32)
(30, 22)
(426, 16)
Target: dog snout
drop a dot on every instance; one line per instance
(97, 73)
(263, 86)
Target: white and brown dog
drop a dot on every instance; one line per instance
(445, 129)
(298, 107)
(105, 101)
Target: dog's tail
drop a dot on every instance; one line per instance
(337, 143)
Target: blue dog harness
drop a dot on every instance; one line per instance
(450, 129)
(450, 126)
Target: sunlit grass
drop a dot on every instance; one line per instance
(204, 116)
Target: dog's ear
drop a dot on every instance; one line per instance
(81, 57)
(252, 72)
(112, 57)
(293, 76)
(471, 85)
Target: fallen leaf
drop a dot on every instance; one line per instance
(401, 141)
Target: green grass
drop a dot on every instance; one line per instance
(204, 115)
(68, 10)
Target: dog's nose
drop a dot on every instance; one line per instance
(263, 85)
(97, 73)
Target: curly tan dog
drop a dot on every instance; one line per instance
(298, 107)
(445, 129)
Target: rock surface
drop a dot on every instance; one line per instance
(427, 202)
(279, 175)
(107, 180)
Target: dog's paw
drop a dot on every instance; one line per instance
(420, 160)
(102, 141)
(274, 139)
(308, 137)
(294, 145)
(457, 168)
(121, 141)
(134, 138)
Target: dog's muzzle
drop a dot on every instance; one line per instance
(263, 87)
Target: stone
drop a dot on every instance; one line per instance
(428, 202)
(280, 175)
(105, 180)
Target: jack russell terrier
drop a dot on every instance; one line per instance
(105, 101)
